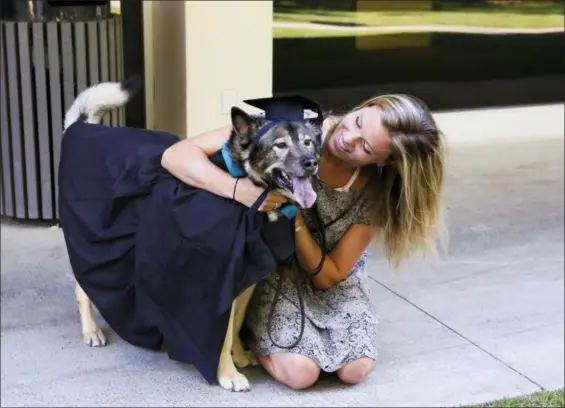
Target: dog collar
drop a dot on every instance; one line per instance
(231, 165)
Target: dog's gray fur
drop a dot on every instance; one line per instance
(289, 148)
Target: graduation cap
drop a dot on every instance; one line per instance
(286, 108)
(283, 108)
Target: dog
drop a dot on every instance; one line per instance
(285, 156)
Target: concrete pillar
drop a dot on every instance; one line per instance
(166, 65)
(206, 56)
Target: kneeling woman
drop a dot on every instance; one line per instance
(381, 174)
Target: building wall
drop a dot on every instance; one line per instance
(202, 58)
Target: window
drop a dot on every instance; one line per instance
(452, 54)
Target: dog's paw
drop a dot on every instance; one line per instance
(94, 338)
(243, 358)
(234, 382)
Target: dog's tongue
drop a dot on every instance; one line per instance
(303, 192)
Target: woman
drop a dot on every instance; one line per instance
(381, 173)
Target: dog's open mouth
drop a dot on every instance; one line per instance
(299, 187)
(283, 180)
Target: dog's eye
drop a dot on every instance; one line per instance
(307, 142)
(281, 145)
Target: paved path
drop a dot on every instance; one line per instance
(438, 28)
(485, 323)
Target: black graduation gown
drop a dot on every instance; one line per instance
(162, 261)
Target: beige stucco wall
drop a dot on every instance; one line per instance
(202, 58)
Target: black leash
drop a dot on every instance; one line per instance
(297, 284)
(320, 232)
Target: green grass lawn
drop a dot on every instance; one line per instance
(539, 399)
(464, 18)
(524, 15)
(282, 32)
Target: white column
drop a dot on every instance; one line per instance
(207, 56)
(229, 58)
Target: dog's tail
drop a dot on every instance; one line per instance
(92, 103)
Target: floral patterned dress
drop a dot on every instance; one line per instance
(341, 322)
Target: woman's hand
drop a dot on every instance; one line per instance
(298, 221)
(247, 193)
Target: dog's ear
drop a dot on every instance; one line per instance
(316, 130)
(241, 121)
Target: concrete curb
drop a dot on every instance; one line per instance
(488, 125)
(438, 28)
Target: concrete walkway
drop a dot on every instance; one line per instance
(434, 28)
(484, 323)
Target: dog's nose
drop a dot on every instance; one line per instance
(309, 163)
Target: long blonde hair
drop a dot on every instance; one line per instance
(405, 201)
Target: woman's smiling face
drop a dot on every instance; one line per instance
(361, 138)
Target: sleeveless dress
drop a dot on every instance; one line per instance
(341, 322)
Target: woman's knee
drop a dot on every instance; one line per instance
(356, 371)
(294, 370)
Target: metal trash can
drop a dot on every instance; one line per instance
(49, 52)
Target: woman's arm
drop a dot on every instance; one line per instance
(339, 261)
(189, 161)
